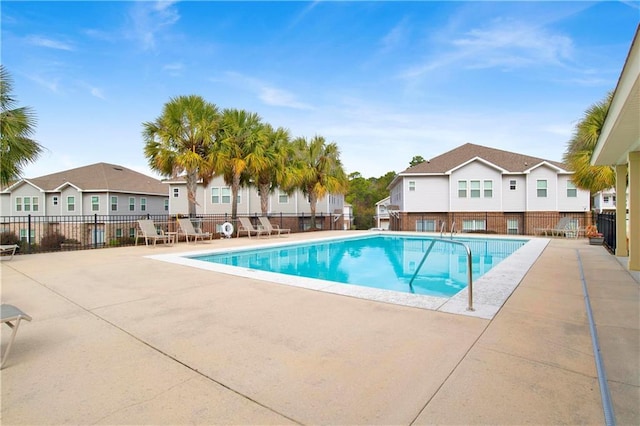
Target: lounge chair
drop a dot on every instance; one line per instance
(148, 231)
(558, 230)
(187, 228)
(12, 317)
(6, 248)
(273, 229)
(246, 226)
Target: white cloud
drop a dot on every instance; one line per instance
(150, 19)
(50, 84)
(49, 43)
(267, 93)
(174, 69)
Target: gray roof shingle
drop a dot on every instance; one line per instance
(103, 177)
(510, 161)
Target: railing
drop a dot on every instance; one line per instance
(469, 264)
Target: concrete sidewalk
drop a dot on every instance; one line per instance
(117, 338)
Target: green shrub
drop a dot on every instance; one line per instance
(9, 238)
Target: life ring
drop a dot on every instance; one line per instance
(227, 229)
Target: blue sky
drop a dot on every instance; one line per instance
(384, 80)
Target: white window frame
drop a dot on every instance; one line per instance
(474, 189)
(166, 205)
(27, 204)
(18, 204)
(132, 204)
(513, 225)
(143, 204)
(283, 197)
(95, 203)
(225, 195)
(425, 225)
(35, 204)
(71, 203)
(176, 192)
(114, 203)
(412, 185)
(513, 184)
(572, 190)
(488, 189)
(215, 195)
(541, 188)
(474, 225)
(462, 189)
(55, 200)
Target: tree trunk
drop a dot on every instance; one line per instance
(264, 198)
(313, 200)
(235, 187)
(192, 185)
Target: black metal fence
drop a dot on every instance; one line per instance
(36, 234)
(606, 224)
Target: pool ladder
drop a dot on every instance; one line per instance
(469, 271)
(442, 229)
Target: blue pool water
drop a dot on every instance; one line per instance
(379, 261)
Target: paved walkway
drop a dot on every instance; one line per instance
(119, 338)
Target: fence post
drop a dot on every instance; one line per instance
(29, 233)
(95, 230)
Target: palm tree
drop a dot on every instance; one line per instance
(238, 150)
(318, 170)
(581, 146)
(179, 141)
(272, 172)
(17, 125)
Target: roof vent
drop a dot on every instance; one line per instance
(118, 169)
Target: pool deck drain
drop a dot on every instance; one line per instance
(118, 338)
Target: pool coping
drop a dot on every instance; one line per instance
(489, 291)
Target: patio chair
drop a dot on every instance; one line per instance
(273, 229)
(246, 226)
(12, 317)
(187, 228)
(6, 248)
(148, 231)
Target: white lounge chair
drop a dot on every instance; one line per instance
(246, 226)
(6, 248)
(148, 231)
(273, 229)
(558, 230)
(187, 228)
(12, 317)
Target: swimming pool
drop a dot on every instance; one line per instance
(378, 261)
(490, 289)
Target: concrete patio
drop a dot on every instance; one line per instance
(118, 338)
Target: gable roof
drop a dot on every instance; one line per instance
(510, 162)
(101, 177)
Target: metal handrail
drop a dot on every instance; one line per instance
(442, 228)
(453, 228)
(469, 271)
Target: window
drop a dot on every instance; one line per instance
(605, 199)
(27, 204)
(132, 232)
(474, 189)
(132, 204)
(226, 195)
(512, 185)
(71, 203)
(176, 192)
(215, 195)
(23, 234)
(462, 189)
(35, 203)
(512, 226)
(18, 204)
(114, 204)
(95, 204)
(283, 198)
(572, 192)
(541, 186)
(143, 204)
(55, 200)
(426, 225)
(166, 205)
(488, 189)
(118, 232)
(412, 185)
(474, 225)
